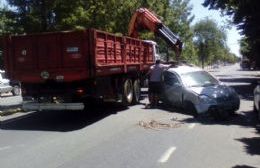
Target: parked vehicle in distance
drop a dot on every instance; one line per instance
(198, 92)
(215, 66)
(257, 100)
(7, 86)
(245, 64)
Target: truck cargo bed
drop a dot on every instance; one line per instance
(74, 56)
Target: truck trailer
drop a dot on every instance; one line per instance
(61, 70)
(64, 70)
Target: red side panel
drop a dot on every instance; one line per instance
(74, 56)
(134, 49)
(48, 51)
(114, 55)
(108, 52)
(149, 55)
(64, 55)
(74, 49)
(23, 53)
(139, 54)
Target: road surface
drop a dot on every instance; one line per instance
(117, 137)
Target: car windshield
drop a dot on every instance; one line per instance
(198, 78)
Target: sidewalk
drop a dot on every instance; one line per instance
(11, 108)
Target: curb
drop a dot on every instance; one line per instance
(8, 110)
(14, 117)
(12, 113)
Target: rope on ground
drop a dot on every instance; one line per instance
(156, 125)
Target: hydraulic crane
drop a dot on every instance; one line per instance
(145, 19)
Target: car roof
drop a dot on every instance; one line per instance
(183, 69)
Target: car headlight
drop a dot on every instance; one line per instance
(206, 99)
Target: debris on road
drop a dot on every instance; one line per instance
(156, 125)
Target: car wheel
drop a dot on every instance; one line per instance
(16, 90)
(127, 93)
(136, 91)
(190, 109)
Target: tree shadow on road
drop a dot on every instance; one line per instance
(242, 118)
(64, 121)
(243, 166)
(252, 145)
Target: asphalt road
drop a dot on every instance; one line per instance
(117, 137)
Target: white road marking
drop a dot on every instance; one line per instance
(5, 148)
(164, 158)
(191, 126)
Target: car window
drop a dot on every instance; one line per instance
(198, 78)
(170, 79)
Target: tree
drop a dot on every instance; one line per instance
(210, 40)
(245, 14)
(7, 21)
(108, 15)
(6, 26)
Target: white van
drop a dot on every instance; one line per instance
(6, 86)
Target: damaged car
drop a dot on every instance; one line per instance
(198, 92)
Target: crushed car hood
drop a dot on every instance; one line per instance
(213, 91)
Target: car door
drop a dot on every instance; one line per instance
(172, 89)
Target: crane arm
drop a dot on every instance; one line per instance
(144, 19)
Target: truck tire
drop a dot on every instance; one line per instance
(16, 90)
(128, 94)
(137, 91)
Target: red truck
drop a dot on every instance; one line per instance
(62, 70)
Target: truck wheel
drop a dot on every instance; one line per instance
(137, 91)
(16, 90)
(127, 92)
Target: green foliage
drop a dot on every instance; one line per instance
(245, 47)
(7, 25)
(245, 14)
(7, 21)
(113, 16)
(210, 40)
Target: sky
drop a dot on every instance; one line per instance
(201, 12)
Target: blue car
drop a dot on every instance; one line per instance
(198, 92)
